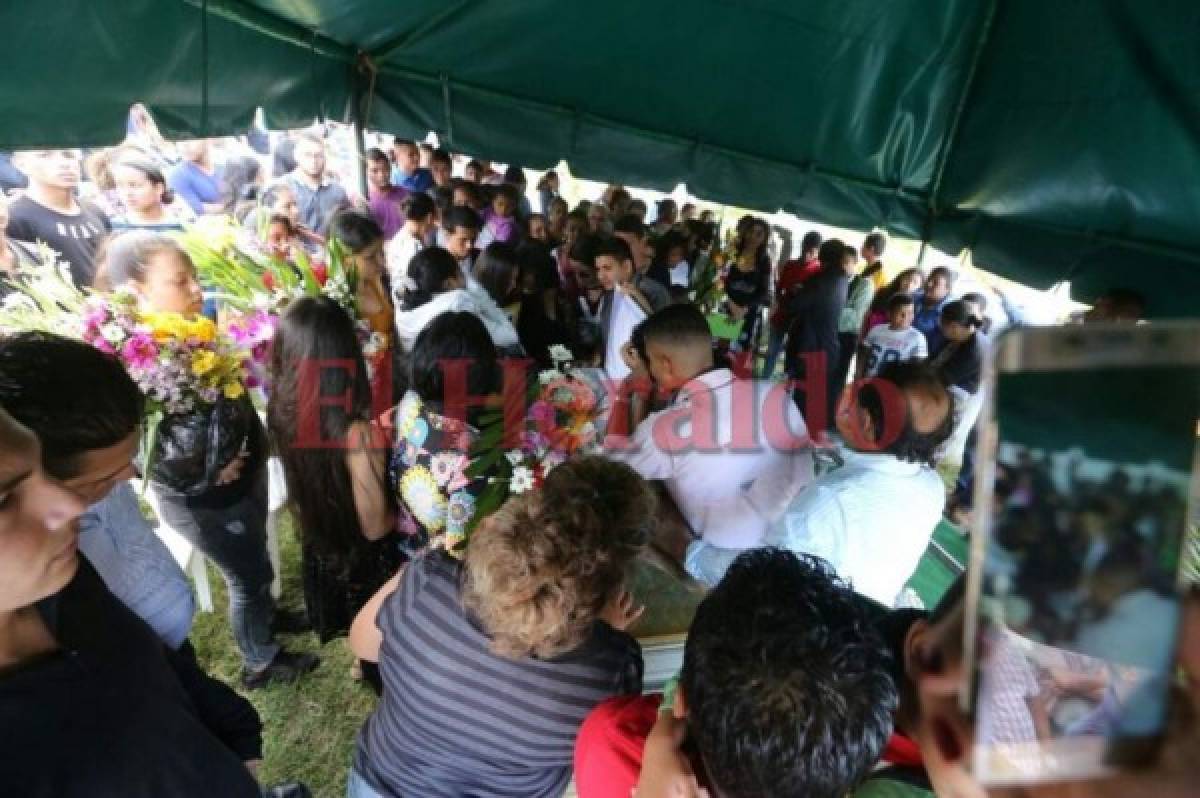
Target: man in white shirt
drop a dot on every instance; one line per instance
(873, 517)
(895, 341)
(732, 453)
(623, 307)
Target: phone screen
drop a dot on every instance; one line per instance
(1079, 596)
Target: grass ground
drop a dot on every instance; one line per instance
(309, 727)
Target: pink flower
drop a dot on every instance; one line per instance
(542, 411)
(139, 351)
(104, 346)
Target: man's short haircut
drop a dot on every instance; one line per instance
(459, 216)
(812, 240)
(613, 247)
(876, 241)
(376, 155)
(881, 405)
(830, 254)
(74, 397)
(417, 206)
(900, 300)
(630, 223)
(584, 249)
(942, 271)
(786, 680)
(675, 324)
(403, 144)
(442, 156)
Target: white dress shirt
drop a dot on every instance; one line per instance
(871, 519)
(727, 486)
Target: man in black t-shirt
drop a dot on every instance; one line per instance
(49, 212)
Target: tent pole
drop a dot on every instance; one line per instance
(921, 253)
(360, 142)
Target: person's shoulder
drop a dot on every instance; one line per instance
(23, 207)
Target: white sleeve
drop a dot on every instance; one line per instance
(498, 326)
(920, 347)
(640, 452)
(814, 524)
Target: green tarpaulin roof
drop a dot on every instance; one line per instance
(1056, 138)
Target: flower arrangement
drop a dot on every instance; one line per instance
(257, 287)
(181, 364)
(559, 424)
(177, 362)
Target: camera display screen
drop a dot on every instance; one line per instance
(1078, 609)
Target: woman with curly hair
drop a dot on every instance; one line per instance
(490, 664)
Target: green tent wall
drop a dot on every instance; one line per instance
(1055, 139)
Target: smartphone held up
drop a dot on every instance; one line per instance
(1084, 501)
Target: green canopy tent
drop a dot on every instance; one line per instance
(1055, 139)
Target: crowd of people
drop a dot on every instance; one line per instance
(502, 662)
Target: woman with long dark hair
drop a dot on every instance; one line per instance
(333, 459)
(748, 282)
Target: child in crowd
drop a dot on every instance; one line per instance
(280, 238)
(420, 220)
(895, 341)
(537, 228)
(673, 249)
(499, 220)
(441, 168)
(219, 506)
(908, 281)
(781, 653)
(279, 199)
(534, 613)
(929, 303)
(732, 453)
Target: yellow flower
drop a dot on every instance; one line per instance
(234, 390)
(202, 329)
(164, 326)
(203, 362)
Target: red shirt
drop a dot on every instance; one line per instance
(792, 275)
(608, 750)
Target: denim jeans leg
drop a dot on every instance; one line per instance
(235, 539)
(774, 350)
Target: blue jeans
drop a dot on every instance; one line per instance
(357, 787)
(775, 344)
(234, 537)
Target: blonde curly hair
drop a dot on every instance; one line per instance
(539, 570)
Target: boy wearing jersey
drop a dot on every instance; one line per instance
(897, 340)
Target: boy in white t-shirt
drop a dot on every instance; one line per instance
(623, 306)
(895, 341)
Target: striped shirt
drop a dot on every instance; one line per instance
(458, 720)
